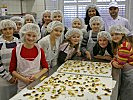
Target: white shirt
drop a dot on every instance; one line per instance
(51, 53)
(118, 21)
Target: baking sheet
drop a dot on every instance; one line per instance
(86, 68)
(61, 86)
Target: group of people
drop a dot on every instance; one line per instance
(28, 50)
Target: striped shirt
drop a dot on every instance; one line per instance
(125, 53)
(5, 56)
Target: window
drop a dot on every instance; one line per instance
(76, 8)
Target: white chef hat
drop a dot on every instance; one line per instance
(52, 25)
(97, 19)
(7, 23)
(113, 4)
(80, 20)
(104, 34)
(130, 33)
(29, 16)
(17, 19)
(118, 29)
(92, 6)
(55, 12)
(72, 31)
(29, 27)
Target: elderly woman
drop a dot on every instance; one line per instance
(90, 38)
(28, 18)
(91, 11)
(102, 48)
(19, 23)
(51, 42)
(28, 59)
(7, 43)
(46, 19)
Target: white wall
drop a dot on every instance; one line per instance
(38, 6)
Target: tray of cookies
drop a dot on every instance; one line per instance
(86, 68)
(61, 86)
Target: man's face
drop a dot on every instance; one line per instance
(113, 12)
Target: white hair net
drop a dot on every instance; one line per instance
(97, 19)
(80, 20)
(30, 27)
(29, 16)
(72, 31)
(118, 29)
(55, 12)
(7, 23)
(104, 34)
(17, 19)
(92, 6)
(46, 11)
(52, 25)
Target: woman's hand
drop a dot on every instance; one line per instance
(78, 53)
(13, 80)
(27, 80)
(32, 77)
(107, 57)
(116, 65)
(88, 55)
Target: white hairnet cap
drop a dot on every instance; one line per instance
(72, 31)
(17, 19)
(97, 19)
(7, 23)
(92, 6)
(46, 11)
(118, 29)
(55, 12)
(104, 34)
(29, 27)
(80, 20)
(52, 25)
(29, 16)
